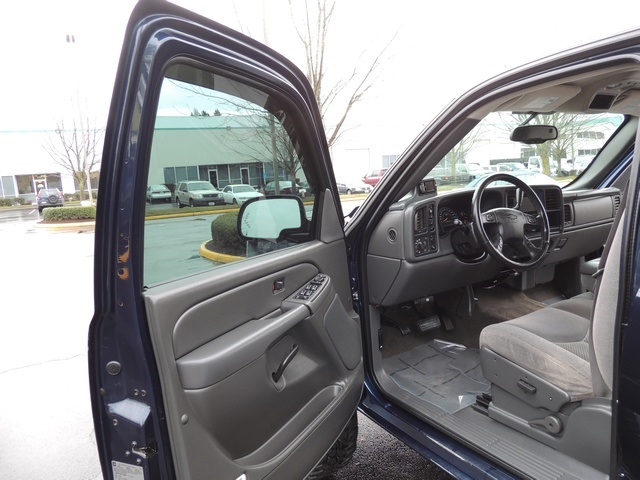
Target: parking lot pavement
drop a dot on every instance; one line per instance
(45, 420)
(46, 428)
(47, 302)
(380, 456)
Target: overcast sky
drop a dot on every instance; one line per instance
(440, 51)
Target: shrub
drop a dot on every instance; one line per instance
(10, 202)
(72, 197)
(224, 236)
(59, 214)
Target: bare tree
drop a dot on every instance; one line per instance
(260, 134)
(77, 149)
(459, 153)
(569, 125)
(342, 95)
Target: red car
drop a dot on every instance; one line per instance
(373, 177)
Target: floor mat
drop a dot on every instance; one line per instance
(445, 374)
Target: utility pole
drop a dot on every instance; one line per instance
(71, 40)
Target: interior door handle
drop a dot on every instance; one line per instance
(277, 375)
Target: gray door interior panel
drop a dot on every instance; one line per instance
(225, 355)
(221, 336)
(344, 333)
(234, 307)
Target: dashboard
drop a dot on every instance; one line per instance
(424, 244)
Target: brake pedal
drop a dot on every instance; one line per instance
(428, 323)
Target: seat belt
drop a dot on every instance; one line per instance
(607, 245)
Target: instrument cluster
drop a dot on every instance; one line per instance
(451, 217)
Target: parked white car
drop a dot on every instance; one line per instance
(238, 194)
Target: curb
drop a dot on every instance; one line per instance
(217, 257)
(67, 226)
(191, 214)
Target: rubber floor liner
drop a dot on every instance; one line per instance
(445, 374)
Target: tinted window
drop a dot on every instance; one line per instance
(212, 131)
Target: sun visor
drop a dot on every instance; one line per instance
(546, 100)
(627, 103)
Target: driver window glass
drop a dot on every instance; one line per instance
(487, 149)
(215, 146)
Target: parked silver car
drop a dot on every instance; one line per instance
(197, 193)
(157, 193)
(353, 187)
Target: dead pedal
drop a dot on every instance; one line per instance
(428, 323)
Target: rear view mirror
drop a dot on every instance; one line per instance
(534, 134)
(271, 217)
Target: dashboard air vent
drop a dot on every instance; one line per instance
(551, 200)
(616, 204)
(568, 215)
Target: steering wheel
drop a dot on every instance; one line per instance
(501, 231)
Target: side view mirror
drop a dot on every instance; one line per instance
(271, 218)
(534, 134)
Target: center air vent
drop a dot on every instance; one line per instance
(392, 235)
(551, 200)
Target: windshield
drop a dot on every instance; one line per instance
(487, 149)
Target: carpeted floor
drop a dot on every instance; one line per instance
(492, 306)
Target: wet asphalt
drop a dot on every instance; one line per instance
(379, 455)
